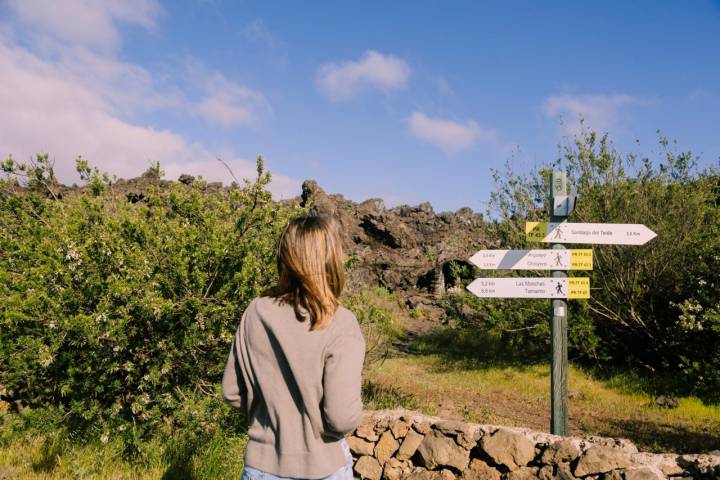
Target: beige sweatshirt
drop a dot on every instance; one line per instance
(299, 388)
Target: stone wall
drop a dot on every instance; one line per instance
(398, 444)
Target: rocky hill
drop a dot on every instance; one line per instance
(410, 250)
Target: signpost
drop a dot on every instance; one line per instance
(558, 287)
(534, 259)
(531, 287)
(597, 233)
(558, 326)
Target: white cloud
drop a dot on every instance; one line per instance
(220, 110)
(89, 23)
(126, 88)
(599, 112)
(83, 34)
(343, 81)
(45, 107)
(68, 94)
(451, 137)
(229, 103)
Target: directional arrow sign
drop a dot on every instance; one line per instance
(534, 259)
(596, 233)
(516, 287)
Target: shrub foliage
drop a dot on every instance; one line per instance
(655, 307)
(114, 310)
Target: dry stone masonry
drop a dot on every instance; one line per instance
(404, 445)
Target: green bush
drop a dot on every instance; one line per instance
(378, 313)
(115, 311)
(519, 328)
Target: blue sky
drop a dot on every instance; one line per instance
(407, 101)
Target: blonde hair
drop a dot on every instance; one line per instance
(310, 268)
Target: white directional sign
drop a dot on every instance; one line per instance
(596, 233)
(534, 259)
(516, 287)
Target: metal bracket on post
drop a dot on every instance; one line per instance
(561, 206)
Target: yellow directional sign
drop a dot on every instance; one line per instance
(535, 231)
(561, 259)
(581, 259)
(579, 287)
(598, 233)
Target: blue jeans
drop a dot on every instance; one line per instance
(343, 473)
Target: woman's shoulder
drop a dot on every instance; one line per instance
(267, 301)
(254, 303)
(346, 322)
(344, 312)
(258, 306)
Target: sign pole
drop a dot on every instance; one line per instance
(559, 364)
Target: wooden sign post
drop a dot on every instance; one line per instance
(558, 313)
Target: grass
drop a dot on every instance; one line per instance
(183, 456)
(482, 386)
(40, 444)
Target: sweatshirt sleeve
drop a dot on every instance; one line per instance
(234, 390)
(342, 403)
